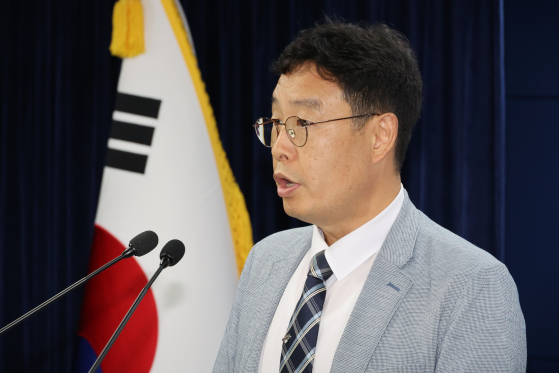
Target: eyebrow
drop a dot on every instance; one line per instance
(311, 103)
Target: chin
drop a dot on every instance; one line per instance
(296, 210)
(288, 208)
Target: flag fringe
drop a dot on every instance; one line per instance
(128, 29)
(239, 220)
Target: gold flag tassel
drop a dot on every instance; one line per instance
(128, 29)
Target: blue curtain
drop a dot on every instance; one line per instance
(57, 89)
(56, 96)
(454, 170)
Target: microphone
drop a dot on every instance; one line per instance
(138, 246)
(143, 243)
(173, 251)
(171, 254)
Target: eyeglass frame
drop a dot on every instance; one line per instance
(307, 123)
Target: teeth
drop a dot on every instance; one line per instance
(289, 185)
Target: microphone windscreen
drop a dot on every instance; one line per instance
(173, 249)
(144, 243)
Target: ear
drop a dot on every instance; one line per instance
(385, 136)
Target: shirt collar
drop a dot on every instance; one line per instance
(350, 251)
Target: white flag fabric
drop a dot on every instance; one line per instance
(166, 171)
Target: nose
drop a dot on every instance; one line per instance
(283, 149)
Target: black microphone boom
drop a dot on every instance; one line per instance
(171, 254)
(138, 246)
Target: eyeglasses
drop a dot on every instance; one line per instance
(268, 130)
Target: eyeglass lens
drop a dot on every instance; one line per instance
(267, 131)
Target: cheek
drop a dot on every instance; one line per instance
(327, 168)
(337, 167)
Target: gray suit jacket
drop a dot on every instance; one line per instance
(451, 306)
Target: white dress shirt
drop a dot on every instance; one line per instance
(351, 259)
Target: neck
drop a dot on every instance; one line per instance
(381, 197)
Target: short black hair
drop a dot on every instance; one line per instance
(374, 65)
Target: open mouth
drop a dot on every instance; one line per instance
(285, 186)
(285, 183)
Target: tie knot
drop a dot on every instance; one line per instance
(319, 267)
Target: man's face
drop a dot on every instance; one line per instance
(332, 173)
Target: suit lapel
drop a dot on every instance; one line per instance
(384, 289)
(382, 292)
(279, 274)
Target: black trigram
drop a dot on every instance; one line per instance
(140, 134)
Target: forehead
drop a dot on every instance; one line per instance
(305, 87)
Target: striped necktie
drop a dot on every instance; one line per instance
(299, 344)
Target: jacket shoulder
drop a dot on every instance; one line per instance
(277, 245)
(449, 252)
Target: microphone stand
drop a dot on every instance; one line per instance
(126, 254)
(165, 262)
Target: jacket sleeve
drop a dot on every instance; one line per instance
(225, 362)
(487, 332)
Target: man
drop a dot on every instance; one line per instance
(373, 285)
